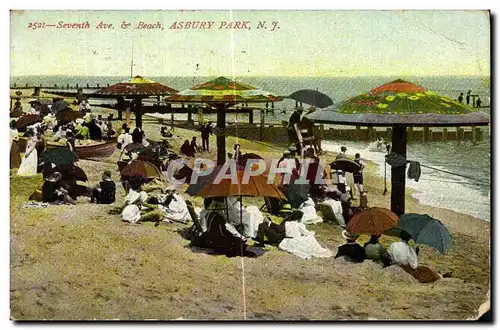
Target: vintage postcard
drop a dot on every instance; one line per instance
(250, 165)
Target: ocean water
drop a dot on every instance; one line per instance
(465, 195)
(469, 195)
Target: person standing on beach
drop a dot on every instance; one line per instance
(206, 131)
(342, 154)
(123, 140)
(467, 98)
(478, 102)
(461, 98)
(294, 119)
(29, 163)
(237, 153)
(358, 175)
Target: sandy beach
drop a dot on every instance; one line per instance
(80, 262)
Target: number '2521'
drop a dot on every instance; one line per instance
(36, 25)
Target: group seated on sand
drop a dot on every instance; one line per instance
(224, 225)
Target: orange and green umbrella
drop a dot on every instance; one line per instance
(223, 90)
(223, 93)
(400, 104)
(142, 169)
(137, 88)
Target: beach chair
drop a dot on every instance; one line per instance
(305, 138)
(194, 217)
(328, 214)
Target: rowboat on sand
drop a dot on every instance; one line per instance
(102, 149)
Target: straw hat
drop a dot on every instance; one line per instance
(286, 152)
(292, 149)
(348, 235)
(134, 196)
(131, 213)
(287, 208)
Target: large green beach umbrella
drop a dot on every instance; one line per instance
(400, 104)
(426, 230)
(222, 93)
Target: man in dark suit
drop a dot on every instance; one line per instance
(294, 119)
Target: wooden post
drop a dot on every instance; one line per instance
(398, 174)
(37, 91)
(127, 115)
(97, 85)
(138, 113)
(67, 86)
(221, 138)
(87, 85)
(479, 134)
(474, 136)
(76, 86)
(15, 85)
(172, 117)
(189, 111)
(425, 135)
(409, 133)
(371, 133)
(262, 122)
(458, 134)
(200, 115)
(445, 134)
(250, 116)
(55, 85)
(322, 131)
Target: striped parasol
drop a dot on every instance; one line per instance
(400, 104)
(223, 93)
(223, 90)
(137, 86)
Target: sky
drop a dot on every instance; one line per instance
(307, 43)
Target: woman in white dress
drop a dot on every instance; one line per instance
(249, 218)
(30, 160)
